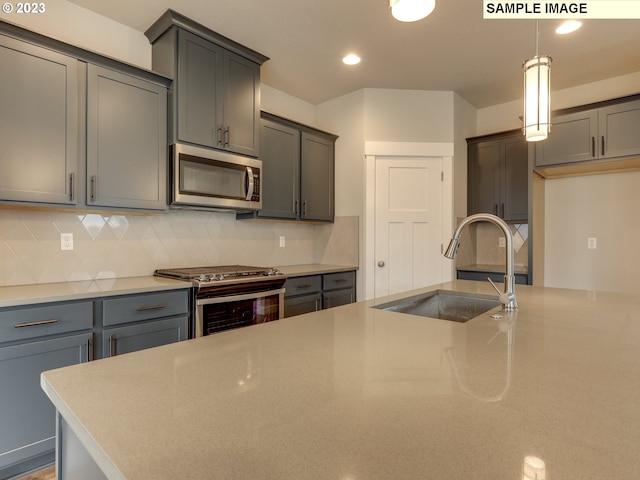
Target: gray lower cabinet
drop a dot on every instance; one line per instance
(338, 289)
(311, 293)
(32, 340)
(126, 141)
(592, 133)
(298, 171)
(38, 124)
(135, 322)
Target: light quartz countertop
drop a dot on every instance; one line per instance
(356, 393)
(13, 296)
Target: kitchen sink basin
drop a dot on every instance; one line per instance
(444, 305)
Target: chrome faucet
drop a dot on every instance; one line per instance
(508, 298)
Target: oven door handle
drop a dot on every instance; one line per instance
(235, 298)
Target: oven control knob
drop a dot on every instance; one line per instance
(202, 277)
(272, 271)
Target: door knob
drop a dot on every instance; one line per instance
(381, 263)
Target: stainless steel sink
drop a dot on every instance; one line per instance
(443, 304)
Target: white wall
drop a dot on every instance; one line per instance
(602, 206)
(67, 22)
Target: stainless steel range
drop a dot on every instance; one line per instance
(231, 296)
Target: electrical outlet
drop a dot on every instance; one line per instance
(502, 242)
(66, 241)
(282, 241)
(591, 243)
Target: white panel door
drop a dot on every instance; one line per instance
(408, 224)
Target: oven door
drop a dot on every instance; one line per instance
(217, 314)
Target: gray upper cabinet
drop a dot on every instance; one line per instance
(298, 171)
(215, 97)
(498, 176)
(317, 177)
(126, 141)
(280, 154)
(38, 124)
(583, 134)
(77, 128)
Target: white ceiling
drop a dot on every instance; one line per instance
(452, 49)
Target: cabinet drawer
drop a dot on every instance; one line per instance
(134, 308)
(303, 285)
(334, 281)
(49, 319)
(336, 298)
(302, 304)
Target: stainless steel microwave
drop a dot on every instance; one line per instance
(208, 179)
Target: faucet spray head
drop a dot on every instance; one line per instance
(452, 249)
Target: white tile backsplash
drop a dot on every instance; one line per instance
(126, 245)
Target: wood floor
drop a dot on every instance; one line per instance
(48, 473)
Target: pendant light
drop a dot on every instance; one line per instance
(537, 101)
(411, 10)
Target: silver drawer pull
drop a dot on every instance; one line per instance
(151, 307)
(308, 285)
(341, 280)
(35, 324)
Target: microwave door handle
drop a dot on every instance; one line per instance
(249, 183)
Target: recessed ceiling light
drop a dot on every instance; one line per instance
(568, 27)
(351, 59)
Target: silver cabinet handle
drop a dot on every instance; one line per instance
(93, 188)
(602, 150)
(381, 263)
(71, 186)
(151, 307)
(112, 345)
(35, 324)
(89, 350)
(226, 136)
(593, 146)
(219, 135)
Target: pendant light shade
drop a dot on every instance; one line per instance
(411, 10)
(537, 104)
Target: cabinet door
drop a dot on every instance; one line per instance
(316, 178)
(618, 129)
(118, 341)
(241, 111)
(572, 139)
(199, 91)
(514, 200)
(27, 417)
(280, 154)
(483, 177)
(126, 141)
(38, 124)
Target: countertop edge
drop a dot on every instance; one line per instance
(20, 295)
(314, 269)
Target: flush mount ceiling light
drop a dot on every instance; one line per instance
(351, 59)
(537, 101)
(568, 27)
(411, 10)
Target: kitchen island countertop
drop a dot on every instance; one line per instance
(356, 393)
